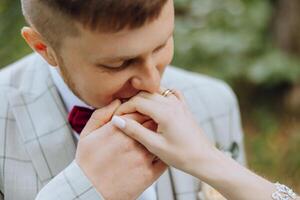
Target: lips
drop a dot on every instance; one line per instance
(124, 100)
(125, 93)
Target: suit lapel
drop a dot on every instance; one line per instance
(177, 185)
(186, 186)
(165, 187)
(41, 119)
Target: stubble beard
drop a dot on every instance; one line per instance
(68, 80)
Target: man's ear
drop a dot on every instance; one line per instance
(35, 41)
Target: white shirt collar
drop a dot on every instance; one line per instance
(68, 97)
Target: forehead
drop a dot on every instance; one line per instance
(92, 45)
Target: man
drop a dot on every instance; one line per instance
(95, 55)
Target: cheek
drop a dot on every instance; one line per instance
(101, 88)
(107, 83)
(91, 82)
(166, 56)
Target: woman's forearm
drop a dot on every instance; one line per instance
(181, 143)
(232, 180)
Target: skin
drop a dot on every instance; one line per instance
(108, 157)
(104, 153)
(185, 146)
(88, 65)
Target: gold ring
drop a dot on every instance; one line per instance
(167, 92)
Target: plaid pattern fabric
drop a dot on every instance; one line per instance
(72, 184)
(37, 148)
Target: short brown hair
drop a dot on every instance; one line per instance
(55, 19)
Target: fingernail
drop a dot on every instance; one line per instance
(118, 122)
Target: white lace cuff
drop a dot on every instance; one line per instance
(283, 193)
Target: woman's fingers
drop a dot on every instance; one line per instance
(179, 96)
(137, 117)
(152, 105)
(138, 132)
(100, 117)
(141, 105)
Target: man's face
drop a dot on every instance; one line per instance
(101, 67)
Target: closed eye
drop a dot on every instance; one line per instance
(160, 47)
(129, 62)
(119, 67)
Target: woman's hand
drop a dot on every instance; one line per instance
(178, 140)
(180, 143)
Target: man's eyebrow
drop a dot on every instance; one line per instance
(122, 58)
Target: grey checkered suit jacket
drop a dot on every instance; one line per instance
(37, 148)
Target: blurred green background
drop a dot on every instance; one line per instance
(254, 45)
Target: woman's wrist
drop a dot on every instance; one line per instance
(200, 164)
(231, 179)
(210, 167)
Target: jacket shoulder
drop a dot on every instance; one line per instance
(18, 74)
(202, 92)
(13, 78)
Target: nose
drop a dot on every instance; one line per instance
(147, 77)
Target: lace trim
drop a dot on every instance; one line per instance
(283, 193)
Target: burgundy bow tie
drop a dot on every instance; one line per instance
(78, 117)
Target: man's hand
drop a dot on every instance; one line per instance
(118, 166)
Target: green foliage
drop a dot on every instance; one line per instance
(12, 45)
(274, 153)
(230, 39)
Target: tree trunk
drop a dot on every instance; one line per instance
(287, 25)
